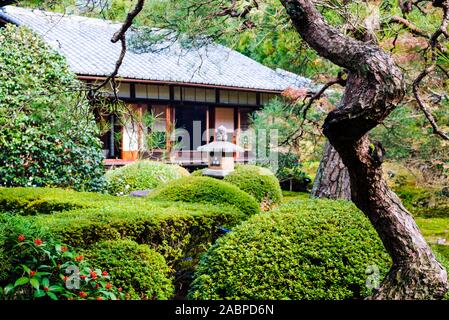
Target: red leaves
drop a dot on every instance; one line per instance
(295, 93)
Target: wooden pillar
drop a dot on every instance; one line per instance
(168, 127)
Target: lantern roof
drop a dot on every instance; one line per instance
(221, 146)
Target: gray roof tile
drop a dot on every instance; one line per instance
(85, 42)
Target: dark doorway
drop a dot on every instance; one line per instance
(112, 139)
(193, 120)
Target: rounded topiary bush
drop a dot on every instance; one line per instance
(206, 190)
(140, 271)
(313, 249)
(259, 182)
(142, 175)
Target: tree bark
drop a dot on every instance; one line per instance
(332, 178)
(375, 85)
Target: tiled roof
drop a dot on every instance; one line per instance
(85, 42)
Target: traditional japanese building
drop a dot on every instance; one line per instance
(196, 89)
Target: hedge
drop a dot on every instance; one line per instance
(206, 190)
(142, 175)
(177, 230)
(314, 249)
(259, 182)
(30, 201)
(140, 271)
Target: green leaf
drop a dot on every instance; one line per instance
(52, 295)
(55, 288)
(26, 269)
(39, 294)
(21, 281)
(8, 288)
(45, 282)
(35, 283)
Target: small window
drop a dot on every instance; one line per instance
(188, 94)
(224, 96)
(164, 92)
(233, 97)
(141, 91)
(177, 93)
(153, 92)
(243, 98)
(210, 95)
(252, 98)
(123, 90)
(200, 95)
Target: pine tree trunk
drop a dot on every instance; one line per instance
(332, 178)
(374, 87)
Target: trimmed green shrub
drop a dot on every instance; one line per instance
(206, 190)
(140, 271)
(259, 182)
(142, 175)
(314, 249)
(197, 173)
(176, 229)
(30, 201)
(49, 136)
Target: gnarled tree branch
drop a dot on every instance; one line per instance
(374, 87)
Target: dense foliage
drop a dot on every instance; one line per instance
(314, 249)
(142, 175)
(30, 201)
(139, 270)
(259, 182)
(207, 190)
(47, 137)
(38, 267)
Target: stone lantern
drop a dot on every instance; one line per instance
(220, 154)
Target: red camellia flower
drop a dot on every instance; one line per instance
(100, 298)
(104, 273)
(97, 285)
(108, 286)
(79, 258)
(21, 238)
(82, 294)
(93, 275)
(32, 273)
(120, 289)
(83, 276)
(63, 249)
(46, 289)
(38, 242)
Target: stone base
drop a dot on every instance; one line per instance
(216, 173)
